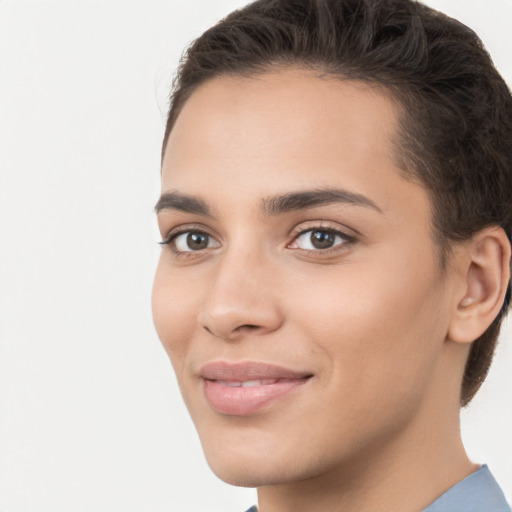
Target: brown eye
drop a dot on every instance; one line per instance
(197, 241)
(320, 239)
(190, 241)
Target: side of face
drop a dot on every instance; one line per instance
(295, 247)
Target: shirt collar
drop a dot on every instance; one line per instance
(476, 493)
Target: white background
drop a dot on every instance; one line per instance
(90, 415)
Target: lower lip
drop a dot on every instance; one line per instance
(243, 401)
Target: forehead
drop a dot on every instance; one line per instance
(284, 130)
(287, 106)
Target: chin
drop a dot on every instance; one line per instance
(240, 464)
(247, 472)
(241, 475)
(257, 458)
(246, 458)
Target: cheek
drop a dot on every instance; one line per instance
(172, 307)
(380, 326)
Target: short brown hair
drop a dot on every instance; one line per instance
(456, 111)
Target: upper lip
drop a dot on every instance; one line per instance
(245, 371)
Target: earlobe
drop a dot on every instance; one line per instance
(486, 271)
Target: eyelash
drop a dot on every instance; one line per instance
(173, 235)
(346, 239)
(336, 232)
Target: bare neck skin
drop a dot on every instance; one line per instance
(404, 474)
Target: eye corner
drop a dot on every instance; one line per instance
(190, 241)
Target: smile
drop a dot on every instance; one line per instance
(246, 388)
(247, 383)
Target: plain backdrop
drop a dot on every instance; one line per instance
(90, 415)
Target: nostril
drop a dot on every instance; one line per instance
(248, 327)
(240, 330)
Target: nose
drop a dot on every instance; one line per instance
(241, 299)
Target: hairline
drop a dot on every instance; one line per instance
(397, 94)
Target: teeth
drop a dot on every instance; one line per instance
(265, 382)
(230, 384)
(250, 383)
(247, 383)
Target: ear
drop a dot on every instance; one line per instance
(485, 266)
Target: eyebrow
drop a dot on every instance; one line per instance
(312, 198)
(182, 203)
(271, 206)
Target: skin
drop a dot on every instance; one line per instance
(376, 427)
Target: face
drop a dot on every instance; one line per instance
(299, 293)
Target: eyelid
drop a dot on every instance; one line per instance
(345, 233)
(186, 228)
(323, 226)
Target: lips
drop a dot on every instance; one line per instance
(246, 388)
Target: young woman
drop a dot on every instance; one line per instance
(336, 222)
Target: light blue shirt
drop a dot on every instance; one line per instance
(479, 492)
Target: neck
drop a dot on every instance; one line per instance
(383, 484)
(403, 474)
